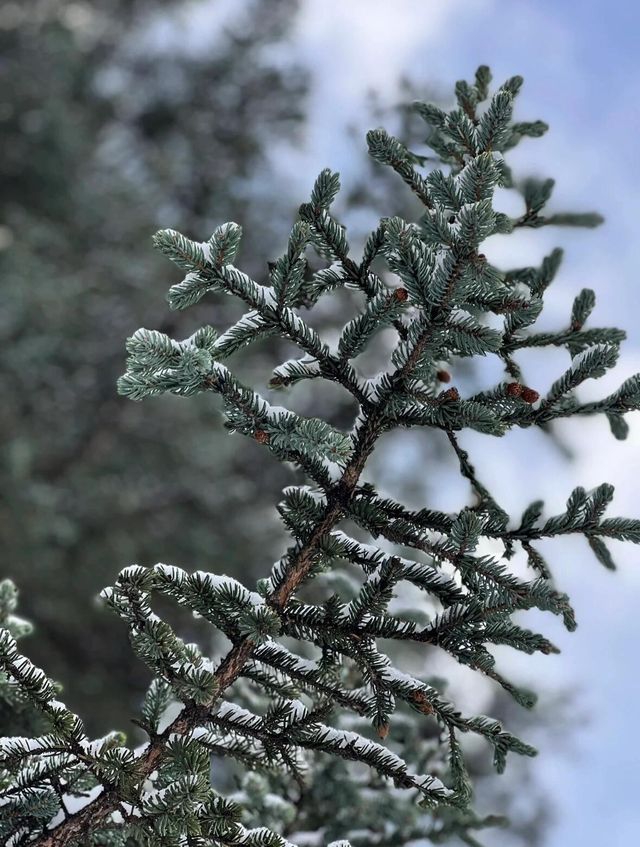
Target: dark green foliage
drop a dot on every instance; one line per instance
(306, 683)
(91, 124)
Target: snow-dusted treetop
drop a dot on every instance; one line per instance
(333, 739)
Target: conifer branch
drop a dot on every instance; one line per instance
(246, 708)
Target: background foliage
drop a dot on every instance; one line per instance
(104, 142)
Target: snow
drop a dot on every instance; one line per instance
(234, 273)
(14, 620)
(316, 495)
(186, 342)
(262, 834)
(30, 744)
(171, 572)
(199, 733)
(268, 297)
(206, 249)
(131, 571)
(391, 674)
(436, 576)
(360, 418)
(231, 711)
(297, 708)
(299, 327)
(192, 276)
(91, 748)
(344, 738)
(250, 320)
(155, 795)
(169, 715)
(432, 783)
(375, 381)
(310, 363)
(23, 667)
(333, 469)
(94, 748)
(217, 581)
(74, 802)
(301, 665)
(309, 839)
(274, 412)
(143, 334)
(368, 549)
(206, 664)
(578, 360)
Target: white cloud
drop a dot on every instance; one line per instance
(353, 48)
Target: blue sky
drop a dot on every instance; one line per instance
(579, 61)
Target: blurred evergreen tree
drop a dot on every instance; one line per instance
(110, 130)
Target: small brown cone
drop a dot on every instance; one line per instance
(529, 395)
(261, 436)
(514, 389)
(401, 294)
(421, 701)
(451, 394)
(383, 730)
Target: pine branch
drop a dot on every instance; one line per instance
(246, 708)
